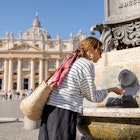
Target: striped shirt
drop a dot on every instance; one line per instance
(77, 85)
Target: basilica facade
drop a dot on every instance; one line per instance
(30, 58)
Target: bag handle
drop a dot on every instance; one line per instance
(46, 79)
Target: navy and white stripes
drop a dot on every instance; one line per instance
(78, 83)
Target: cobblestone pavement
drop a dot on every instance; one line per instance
(14, 130)
(12, 123)
(10, 109)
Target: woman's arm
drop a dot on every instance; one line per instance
(117, 90)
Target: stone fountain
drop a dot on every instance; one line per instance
(117, 117)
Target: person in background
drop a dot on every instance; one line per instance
(30, 92)
(72, 82)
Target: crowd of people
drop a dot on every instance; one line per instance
(14, 95)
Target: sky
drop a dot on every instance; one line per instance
(56, 16)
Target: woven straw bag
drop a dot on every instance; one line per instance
(32, 106)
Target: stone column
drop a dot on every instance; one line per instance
(40, 70)
(32, 84)
(46, 69)
(10, 83)
(57, 63)
(5, 85)
(19, 75)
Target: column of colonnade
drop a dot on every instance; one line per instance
(5, 86)
(19, 72)
(57, 63)
(8, 72)
(32, 74)
(41, 70)
(46, 69)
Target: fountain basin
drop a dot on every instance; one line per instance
(99, 122)
(110, 123)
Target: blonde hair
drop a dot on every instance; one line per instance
(86, 44)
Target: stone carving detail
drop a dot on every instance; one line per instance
(128, 35)
(126, 78)
(105, 36)
(119, 37)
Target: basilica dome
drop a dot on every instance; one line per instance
(36, 31)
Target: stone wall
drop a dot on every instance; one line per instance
(110, 65)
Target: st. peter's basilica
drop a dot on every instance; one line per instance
(30, 58)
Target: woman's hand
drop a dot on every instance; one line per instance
(116, 90)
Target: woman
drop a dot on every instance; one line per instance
(66, 100)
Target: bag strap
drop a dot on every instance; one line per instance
(49, 77)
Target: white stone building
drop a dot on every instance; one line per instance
(27, 60)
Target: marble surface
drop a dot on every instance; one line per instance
(111, 112)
